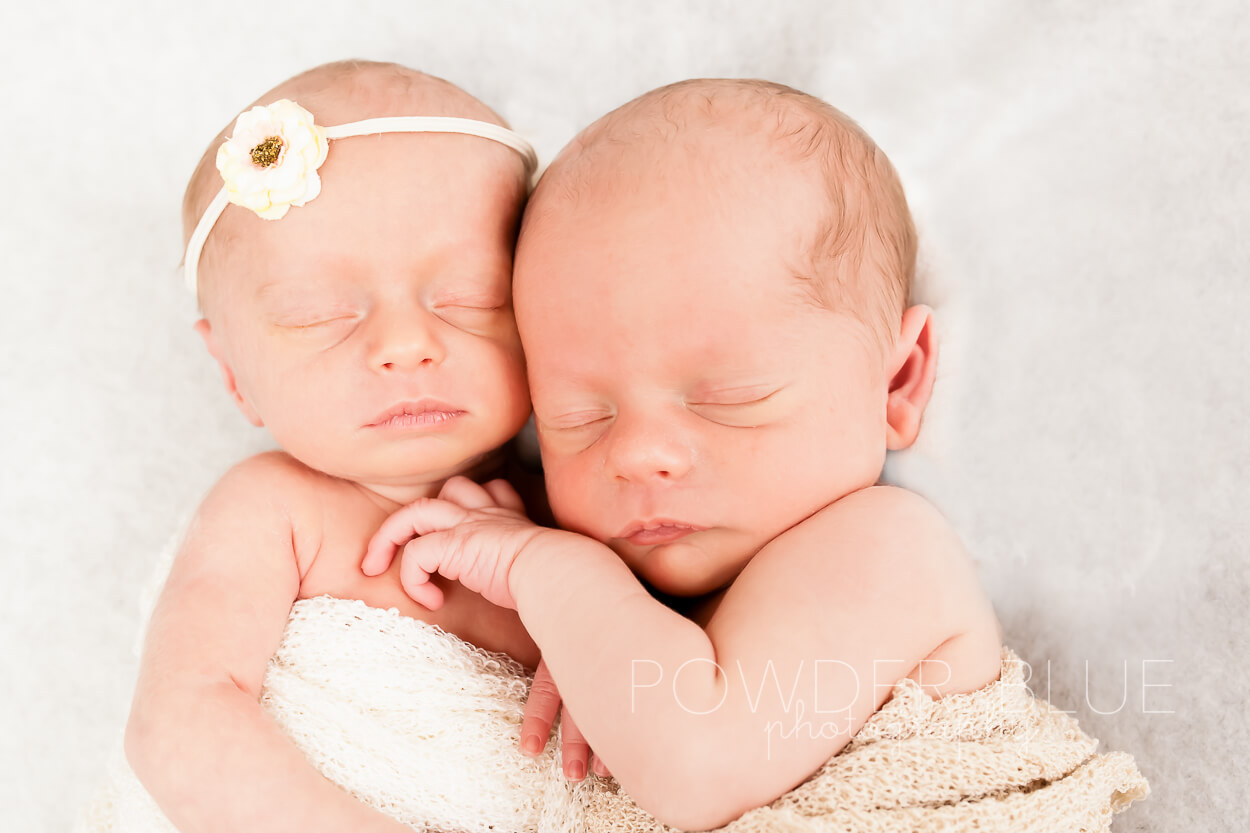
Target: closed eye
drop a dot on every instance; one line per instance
(314, 324)
(471, 315)
(468, 297)
(573, 433)
(731, 409)
(469, 308)
(575, 421)
(317, 332)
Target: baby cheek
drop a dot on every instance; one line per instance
(493, 372)
(268, 389)
(514, 387)
(572, 493)
(558, 479)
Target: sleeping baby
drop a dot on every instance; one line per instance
(351, 248)
(712, 289)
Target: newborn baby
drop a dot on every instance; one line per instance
(713, 290)
(352, 253)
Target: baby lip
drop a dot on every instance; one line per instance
(418, 408)
(657, 531)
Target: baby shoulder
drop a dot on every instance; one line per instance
(269, 481)
(269, 468)
(270, 494)
(885, 522)
(888, 537)
(880, 505)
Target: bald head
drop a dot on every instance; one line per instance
(858, 251)
(335, 93)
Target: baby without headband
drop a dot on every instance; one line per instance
(270, 162)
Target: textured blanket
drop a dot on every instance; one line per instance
(424, 726)
(997, 759)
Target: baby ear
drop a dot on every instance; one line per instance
(912, 368)
(206, 332)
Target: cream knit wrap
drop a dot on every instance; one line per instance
(424, 726)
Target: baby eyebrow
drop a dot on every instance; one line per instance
(283, 290)
(274, 285)
(287, 295)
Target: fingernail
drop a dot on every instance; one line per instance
(599, 768)
(576, 771)
(531, 745)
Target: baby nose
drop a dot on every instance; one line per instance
(404, 339)
(641, 450)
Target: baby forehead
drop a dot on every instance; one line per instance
(664, 316)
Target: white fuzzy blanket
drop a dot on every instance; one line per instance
(424, 727)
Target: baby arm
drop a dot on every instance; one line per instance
(197, 737)
(700, 725)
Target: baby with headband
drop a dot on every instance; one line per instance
(354, 277)
(712, 288)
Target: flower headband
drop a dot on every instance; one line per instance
(270, 162)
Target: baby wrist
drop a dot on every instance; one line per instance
(526, 575)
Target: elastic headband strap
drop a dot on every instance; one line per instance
(438, 124)
(367, 127)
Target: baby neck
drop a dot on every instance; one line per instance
(391, 496)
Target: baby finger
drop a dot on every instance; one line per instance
(417, 518)
(415, 578)
(574, 751)
(464, 492)
(504, 495)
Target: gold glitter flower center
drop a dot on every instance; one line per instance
(267, 152)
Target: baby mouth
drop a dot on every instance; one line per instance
(422, 414)
(660, 531)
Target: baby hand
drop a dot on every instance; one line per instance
(540, 712)
(470, 533)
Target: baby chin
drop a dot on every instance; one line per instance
(693, 565)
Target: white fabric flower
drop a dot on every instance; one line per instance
(270, 162)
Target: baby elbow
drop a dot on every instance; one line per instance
(690, 813)
(148, 740)
(695, 820)
(140, 743)
(695, 795)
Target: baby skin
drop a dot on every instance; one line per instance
(371, 331)
(712, 291)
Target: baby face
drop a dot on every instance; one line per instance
(372, 330)
(691, 403)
